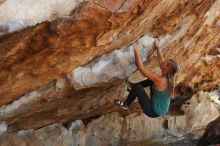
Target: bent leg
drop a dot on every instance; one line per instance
(146, 83)
(132, 95)
(143, 99)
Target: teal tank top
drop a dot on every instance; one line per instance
(160, 101)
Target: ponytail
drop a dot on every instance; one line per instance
(173, 68)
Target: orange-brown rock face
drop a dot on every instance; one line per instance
(34, 61)
(42, 53)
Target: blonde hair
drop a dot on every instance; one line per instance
(173, 68)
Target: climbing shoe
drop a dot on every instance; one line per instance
(120, 103)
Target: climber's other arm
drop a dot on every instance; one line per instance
(140, 66)
(160, 57)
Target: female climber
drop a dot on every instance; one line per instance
(161, 86)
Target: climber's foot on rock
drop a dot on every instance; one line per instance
(120, 103)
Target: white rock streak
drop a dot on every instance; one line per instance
(213, 13)
(17, 14)
(200, 110)
(3, 128)
(24, 102)
(118, 64)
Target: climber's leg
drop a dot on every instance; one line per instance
(144, 83)
(143, 99)
(147, 83)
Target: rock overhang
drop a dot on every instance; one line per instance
(36, 58)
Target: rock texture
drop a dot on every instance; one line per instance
(115, 129)
(64, 43)
(211, 135)
(118, 129)
(67, 69)
(53, 135)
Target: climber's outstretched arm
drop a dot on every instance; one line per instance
(140, 66)
(160, 57)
